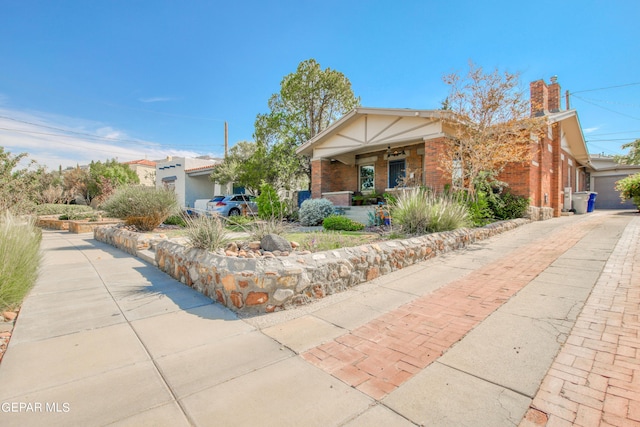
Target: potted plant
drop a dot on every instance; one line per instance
(357, 198)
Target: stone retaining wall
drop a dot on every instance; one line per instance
(267, 284)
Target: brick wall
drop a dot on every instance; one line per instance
(433, 175)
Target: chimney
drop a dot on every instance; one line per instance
(554, 95)
(539, 98)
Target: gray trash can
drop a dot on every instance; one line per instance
(580, 201)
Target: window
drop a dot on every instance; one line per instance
(367, 177)
(396, 172)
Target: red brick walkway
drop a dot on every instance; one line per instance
(379, 356)
(595, 379)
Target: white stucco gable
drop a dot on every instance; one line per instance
(369, 129)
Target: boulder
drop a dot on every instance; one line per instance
(273, 242)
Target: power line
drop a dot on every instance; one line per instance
(605, 88)
(613, 133)
(605, 108)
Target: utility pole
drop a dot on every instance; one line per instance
(226, 139)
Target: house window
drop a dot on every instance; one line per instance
(396, 172)
(367, 177)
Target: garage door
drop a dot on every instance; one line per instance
(608, 197)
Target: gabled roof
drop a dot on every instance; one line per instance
(394, 132)
(573, 131)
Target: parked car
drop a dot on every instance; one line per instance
(204, 206)
(234, 204)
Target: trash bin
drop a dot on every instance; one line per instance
(580, 201)
(591, 204)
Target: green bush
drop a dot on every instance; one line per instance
(509, 206)
(269, 203)
(144, 207)
(206, 232)
(629, 189)
(480, 212)
(341, 223)
(176, 220)
(314, 211)
(19, 259)
(419, 211)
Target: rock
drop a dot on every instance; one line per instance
(255, 246)
(273, 242)
(295, 245)
(232, 246)
(9, 316)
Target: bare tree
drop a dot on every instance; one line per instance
(492, 125)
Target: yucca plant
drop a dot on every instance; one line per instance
(19, 258)
(206, 232)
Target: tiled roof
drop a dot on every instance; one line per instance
(200, 168)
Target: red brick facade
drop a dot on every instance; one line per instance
(543, 179)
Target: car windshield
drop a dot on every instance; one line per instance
(217, 198)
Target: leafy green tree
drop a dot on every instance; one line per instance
(105, 178)
(18, 186)
(308, 102)
(245, 165)
(633, 156)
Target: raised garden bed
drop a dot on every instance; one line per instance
(266, 284)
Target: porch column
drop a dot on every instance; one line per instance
(320, 177)
(433, 176)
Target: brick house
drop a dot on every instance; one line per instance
(377, 150)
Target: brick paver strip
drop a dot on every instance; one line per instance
(595, 378)
(379, 356)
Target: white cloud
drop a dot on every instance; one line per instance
(156, 99)
(590, 130)
(54, 140)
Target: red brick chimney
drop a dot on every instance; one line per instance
(539, 98)
(554, 95)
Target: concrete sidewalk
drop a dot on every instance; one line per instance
(464, 339)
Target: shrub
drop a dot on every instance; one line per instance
(509, 206)
(144, 207)
(19, 259)
(629, 189)
(480, 213)
(419, 211)
(176, 220)
(339, 222)
(314, 211)
(206, 232)
(269, 203)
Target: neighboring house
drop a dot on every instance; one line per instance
(603, 180)
(376, 149)
(146, 171)
(189, 178)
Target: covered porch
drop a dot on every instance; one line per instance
(370, 152)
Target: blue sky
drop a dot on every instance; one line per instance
(139, 78)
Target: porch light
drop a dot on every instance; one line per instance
(395, 152)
